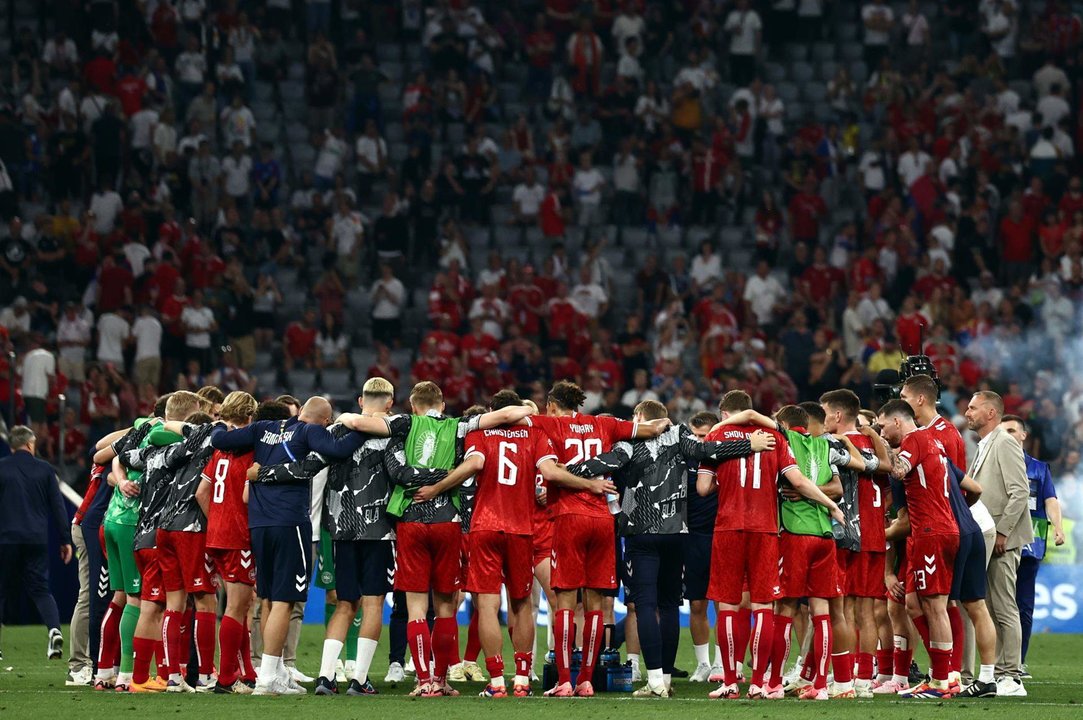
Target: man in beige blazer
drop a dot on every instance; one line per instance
(1002, 473)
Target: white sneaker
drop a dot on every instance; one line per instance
(408, 668)
(298, 676)
(348, 668)
(275, 687)
(650, 691)
(702, 673)
(342, 675)
(455, 673)
(294, 687)
(395, 673)
(863, 688)
(56, 645)
(1010, 687)
(79, 678)
(473, 672)
(206, 683)
(717, 674)
(637, 674)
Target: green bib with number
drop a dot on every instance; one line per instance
(805, 517)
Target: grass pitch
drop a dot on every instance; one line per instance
(33, 687)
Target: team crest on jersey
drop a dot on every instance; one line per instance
(425, 447)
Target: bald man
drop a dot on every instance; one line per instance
(1001, 470)
(278, 516)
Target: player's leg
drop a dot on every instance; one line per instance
(599, 536)
(445, 579)
(376, 577)
(935, 609)
(763, 589)
(334, 640)
(124, 577)
(822, 644)
(485, 575)
(338, 565)
(396, 636)
(697, 570)
(1024, 593)
(176, 605)
(100, 595)
(785, 610)
(568, 575)
(282, 573)
(80, 661)
(726, 588)
(885, 648)
(971, 591)
(670, 594)
(842, 648)
(231, 632)
(641, 553)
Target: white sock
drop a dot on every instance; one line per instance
(655, 677)
(366, 650)
(634, 659)
(268, 669)
(703, 654)
(497, 681)
(718, 656)
(124, 679)
(667, 679)
(331, 650)
(985, 675)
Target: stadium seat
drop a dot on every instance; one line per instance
(301, 382)
(802, 73)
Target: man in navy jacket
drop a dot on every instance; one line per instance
(29, 494)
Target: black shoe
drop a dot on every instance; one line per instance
(357, 688)
(916, 676)
(250, 683)
(326, 687)
(978, 689)
(678, 673)
(220, 689)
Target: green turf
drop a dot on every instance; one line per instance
(33, 687)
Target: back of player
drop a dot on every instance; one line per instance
(229, 543)
(502, 524)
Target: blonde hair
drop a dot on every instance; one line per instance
(181, 404)
(377, 386)
(426, 395)
(531, 404)
(237, 407)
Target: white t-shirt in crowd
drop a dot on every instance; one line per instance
(202, 320)
(371, 149)
(143, 123)
(529, 197)
(147, 332)
(38, 365)
(588, 186)
(237, 172)
(331, 156)
(876, 37)
(386, 308)
(106, 206)
(113, 330)
(761, 294)
(743, 27)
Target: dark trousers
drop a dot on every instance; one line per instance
(100, 595)
(655, 578)
(396, 630)
(26, 567)
(1025, 578)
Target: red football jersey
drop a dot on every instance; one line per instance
(948, 435)
(927, 484)
(227, 514)
(577, 438)
(871, 505)
(505, 486)
(748, 487)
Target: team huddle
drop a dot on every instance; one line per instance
(854, 533)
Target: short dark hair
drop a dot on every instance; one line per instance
(505, 398)
(702, 419)
(567, 395)
(211, 394)
(844, 400)
(993, 398)
(288, 400)
(735, 401)
(897, 408)
(199, 418)
(792, 416)
(815, 411)
(159, 405)
(1016, 418)
(272, 410)
(923, 385)
(473, 410)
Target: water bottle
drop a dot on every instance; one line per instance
(613, 500)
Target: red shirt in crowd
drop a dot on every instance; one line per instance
(300, 340)
(1017, 239)
(908, 329)
(806, 209)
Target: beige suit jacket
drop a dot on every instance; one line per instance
(1002, 473)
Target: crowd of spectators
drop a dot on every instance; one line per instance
(658, 199)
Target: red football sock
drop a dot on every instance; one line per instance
(142, 651)
(110, 642)
(444, 637)
(184, 650)
(205, 642)
(564, 632)
(843, 665)
(473, 642)
(884, 662)
(744, 630)
(808, 670)
(159, 656)
(171, 640)
(523, 662)
(903, 658)
(455, 658)
(864, 666)
(420, 639)
(923, 629)
(956, 619)
(229, 642)
(593, 627)
(780, 649)
(941, 662)
(495, 666)
(248, 671)
(761, 639)
(727, 624)
(822, 638)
